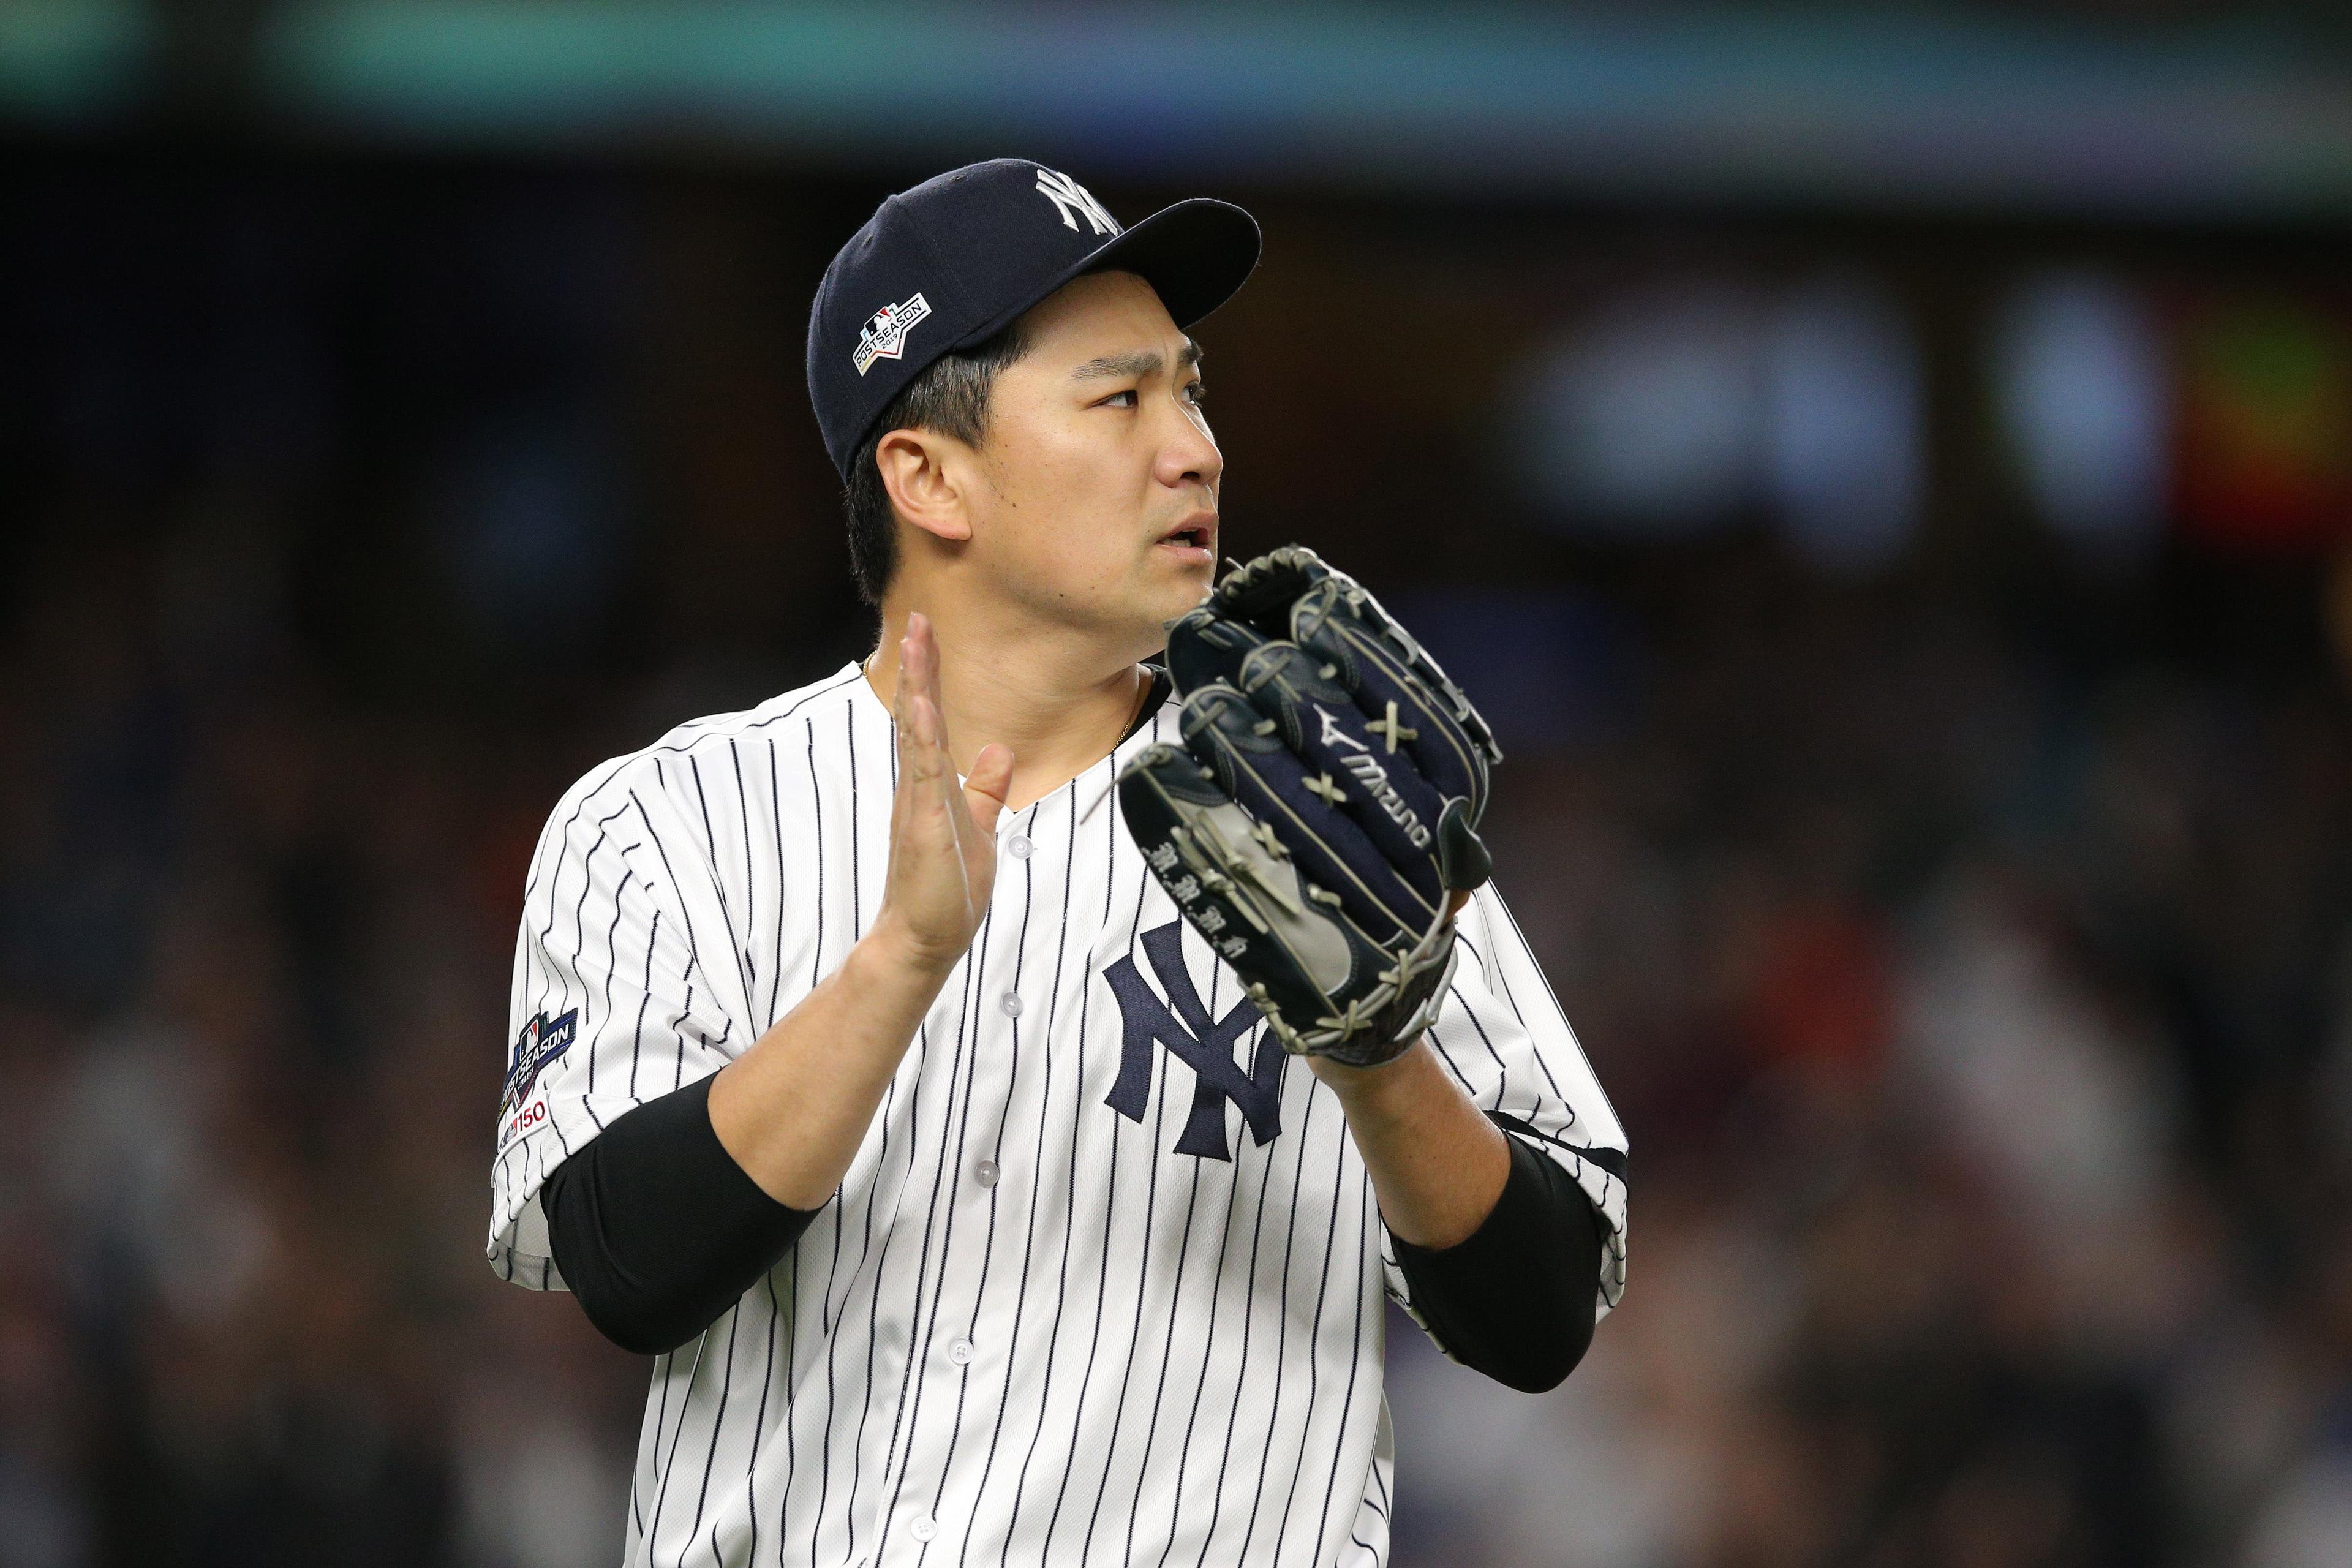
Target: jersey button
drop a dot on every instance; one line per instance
(1018, 846)
(985, 1173)
(960, 1353)
(923, 1528)
(1012, 1006)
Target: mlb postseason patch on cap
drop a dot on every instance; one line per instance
(962, 255)
(885, 336)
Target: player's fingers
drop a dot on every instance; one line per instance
(926, 675)
(923, 835)
(924, 710)
(991, 779)
(922, 757)
(902, 709)
(932, 802)
(916, 653)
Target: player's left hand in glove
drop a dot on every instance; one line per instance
(1321, 816)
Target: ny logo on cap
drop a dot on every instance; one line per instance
(1074, 199)
(885, 336)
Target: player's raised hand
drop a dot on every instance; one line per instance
(942, 834)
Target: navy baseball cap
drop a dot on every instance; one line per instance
(959, 258)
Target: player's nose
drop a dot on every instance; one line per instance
(1189, 454)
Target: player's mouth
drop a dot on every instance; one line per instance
(1194, 539)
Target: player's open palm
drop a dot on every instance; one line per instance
(942, 834)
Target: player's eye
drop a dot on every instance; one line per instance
(1115, 399)
(1196, 394)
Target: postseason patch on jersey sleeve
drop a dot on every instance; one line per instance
(542, 1040)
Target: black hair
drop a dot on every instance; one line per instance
(950, 398)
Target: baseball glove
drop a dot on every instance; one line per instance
(1323, 809)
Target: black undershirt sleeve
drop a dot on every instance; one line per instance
(1515, 1299)
(655, 1228)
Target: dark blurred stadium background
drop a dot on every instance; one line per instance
(1889, 468)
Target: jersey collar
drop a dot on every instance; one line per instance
(1093, 784)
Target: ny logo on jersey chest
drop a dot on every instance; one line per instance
(1184, 1027)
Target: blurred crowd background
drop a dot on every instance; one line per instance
(1888, 471)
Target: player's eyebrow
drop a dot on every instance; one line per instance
(1141, 363)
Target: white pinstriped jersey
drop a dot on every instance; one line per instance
(1104, 1283)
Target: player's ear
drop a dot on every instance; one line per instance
(920, 484)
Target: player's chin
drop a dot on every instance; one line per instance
(1166, 591)
(1177, 582)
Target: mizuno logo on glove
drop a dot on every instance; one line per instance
(1375, 779)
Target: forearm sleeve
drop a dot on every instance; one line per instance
(1515, 1299)
(656, 1229)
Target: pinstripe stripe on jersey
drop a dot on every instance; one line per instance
(1099, 1282)
(988, 1253)
(1111, 1216)
(1069, 1217)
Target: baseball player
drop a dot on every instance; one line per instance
(999, 1083)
